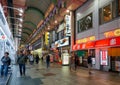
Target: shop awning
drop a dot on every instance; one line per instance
(109, 42)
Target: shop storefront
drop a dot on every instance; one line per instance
(83, 47)
(63, 46)
(109, 55)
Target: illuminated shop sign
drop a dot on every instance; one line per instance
(108, 42)
(113, 33)
(61, 27)
(83, 46)
(84, 40)
(100, 43)
(62, 42)
(68, 25)
(46, 38)
(104, 58)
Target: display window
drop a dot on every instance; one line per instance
(109, 12)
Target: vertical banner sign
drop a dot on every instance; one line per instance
(104, 57)
(68, 25)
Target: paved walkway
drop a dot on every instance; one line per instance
(4, 80)
(61, 75)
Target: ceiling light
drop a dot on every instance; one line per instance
(20, 14)
(48, 28)
(20, 10)
(20, 25)
(21, 20)
(56, 21)
(67, 11)
(20, 30)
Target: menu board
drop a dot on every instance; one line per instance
(103, 57)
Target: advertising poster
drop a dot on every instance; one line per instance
(104, 57)
(117, 65)
(65, 58)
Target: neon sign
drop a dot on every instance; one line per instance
(112, 33)
(84, 40)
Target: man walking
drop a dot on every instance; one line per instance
(89, 63)
(48, 60)
(6, 62)
(22, 61)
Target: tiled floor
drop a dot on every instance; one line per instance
(61, 75)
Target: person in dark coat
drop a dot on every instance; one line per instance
(22, 61)
(6, 62)
(48, 60)
(37, 59)
(76, 60)
(89, 60)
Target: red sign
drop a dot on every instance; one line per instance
(108, 42)
(74, 47)
(100, 43)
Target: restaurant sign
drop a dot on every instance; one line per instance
(84, 40)
(113, 33)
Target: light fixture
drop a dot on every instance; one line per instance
(20, 14)
(48, 28)
(20, 25)
(20, 10)
(56, 21)
(20, 30)
(21, 20)
(67, 11)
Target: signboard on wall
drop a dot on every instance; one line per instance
(68, 25)
(113, 33)
(103, 57)
(62, 42)
(61, 27)
(84, 40)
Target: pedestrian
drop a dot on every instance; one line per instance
(22, 61)
(71, 61)
(31, 59)
(89, 60)
(37, 59)
(5, 64)
(76, 60)
(48, 60)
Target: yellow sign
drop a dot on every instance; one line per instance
(46, 38)
(114, 33)
(84, 40)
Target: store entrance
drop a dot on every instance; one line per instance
(83, 55)
(114, 54)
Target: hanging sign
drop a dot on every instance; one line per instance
(68, 25)
(62, 42)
